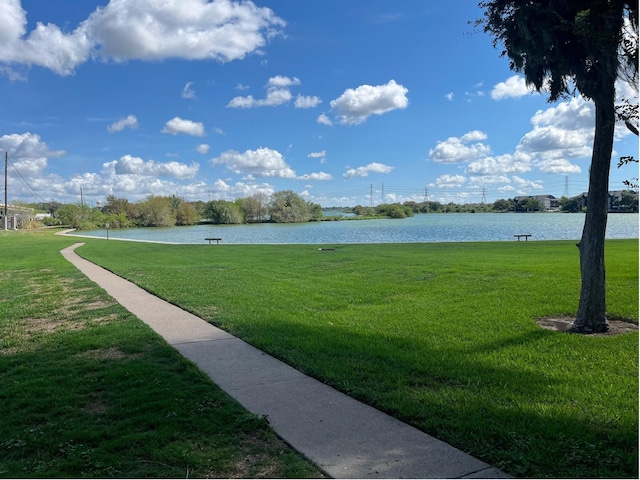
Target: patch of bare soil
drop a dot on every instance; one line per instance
(563, 324)
(112, 353)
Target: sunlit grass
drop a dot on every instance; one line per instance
(88, 390)
(442, 336)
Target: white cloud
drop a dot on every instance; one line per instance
(321, 176)
(450, 181)
(321, 154)
(202, 148)
(128, 165)
(188, 92)
(473, 136)
(130, 121)
(324, 120)
(553, 142)
(559, 165)
(483, 180)
(500, 165)
(242, 102)
(278, 93)
(280, 81)
(513, 87)
(28, 153)
(454, 149)
(263, 162)
(449, 96)
(354, 106)
(561, 132)
(365, 171)
(221, 30)
(524, 183)
(178, 125)
(307, 102)
(577, 113)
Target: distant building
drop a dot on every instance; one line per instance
(615, 200)
(549, 203)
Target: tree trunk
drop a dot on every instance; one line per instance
(592, 312)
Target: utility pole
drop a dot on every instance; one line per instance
(5, 219)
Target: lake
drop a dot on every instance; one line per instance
(451, 227)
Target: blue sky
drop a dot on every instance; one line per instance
(333, 100)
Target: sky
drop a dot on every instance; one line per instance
(346, 103)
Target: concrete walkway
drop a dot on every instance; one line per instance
(343, 437)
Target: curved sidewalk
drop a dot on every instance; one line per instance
(342, 436)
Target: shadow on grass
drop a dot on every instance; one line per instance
(494, 400)
(103, 404)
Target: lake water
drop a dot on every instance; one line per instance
(452, 227)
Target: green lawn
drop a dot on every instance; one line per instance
(442, 336)
(87, 390)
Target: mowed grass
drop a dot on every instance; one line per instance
(88, 390)
(442, 336)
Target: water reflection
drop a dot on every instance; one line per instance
(458, 227)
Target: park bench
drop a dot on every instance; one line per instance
(212, 239)
(525, 235)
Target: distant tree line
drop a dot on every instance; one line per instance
(280, 207)
(166, 211)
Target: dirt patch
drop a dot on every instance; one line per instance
(95, 407)
(563, 324)
(112, 353)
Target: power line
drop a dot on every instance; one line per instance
(23, 180)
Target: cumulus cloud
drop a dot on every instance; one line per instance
(178, 125)
(130, 121)
(262, 162)
(460, 149)
(221, 30)
(28, 153)
(558, 165)
(278, 93)
(324, 120)
(450, 181)
(128, 164)
(354, 106)
(280, 81)
(524, 183)
(188, 92)
(202, 148)
(307, 102)
(500, 165)
(561, 132)
(366, 170)
(512, 87)
(320, 176)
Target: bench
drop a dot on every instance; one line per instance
(211, 239)
(525, 235)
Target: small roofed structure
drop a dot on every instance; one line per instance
(16, 216)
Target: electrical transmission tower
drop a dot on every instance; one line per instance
(426, 198)
(566, 186)
(484, 196)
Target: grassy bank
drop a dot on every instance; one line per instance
(87, 390)
(442, 336)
